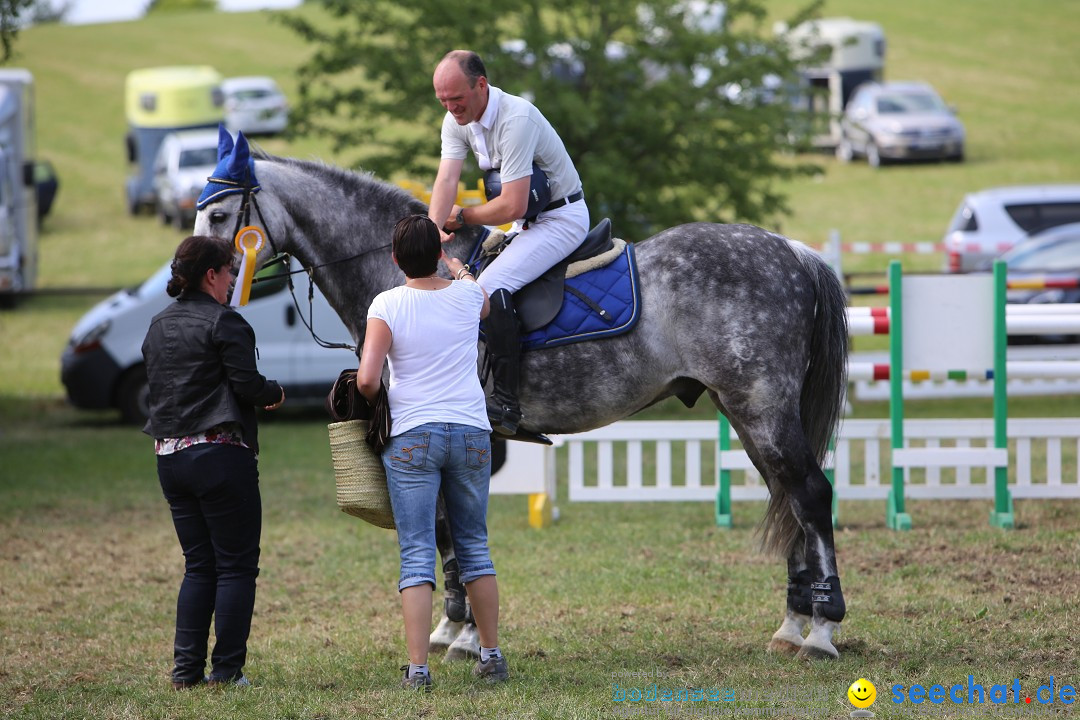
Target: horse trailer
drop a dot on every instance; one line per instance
(159, 101)
(836, 55)
(18, 194)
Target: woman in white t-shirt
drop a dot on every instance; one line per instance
(440, 437)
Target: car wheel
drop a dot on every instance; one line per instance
(844, 152)
(133, 396)
(164, 216)
(957, 158)
(873, 157)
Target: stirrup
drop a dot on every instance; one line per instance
(504, 420)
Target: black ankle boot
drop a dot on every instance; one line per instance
(504, 349)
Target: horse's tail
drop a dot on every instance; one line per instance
(824, 386)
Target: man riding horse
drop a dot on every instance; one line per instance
(540, 193)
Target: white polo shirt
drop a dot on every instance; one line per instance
(512, 135)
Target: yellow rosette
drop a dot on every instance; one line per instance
(249, 240)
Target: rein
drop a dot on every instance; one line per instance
(243, 219)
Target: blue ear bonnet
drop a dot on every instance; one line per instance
(235, 171)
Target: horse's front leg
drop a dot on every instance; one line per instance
(453, 631)
(788, 639)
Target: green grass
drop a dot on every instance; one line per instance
(89, 564)
(89, 567)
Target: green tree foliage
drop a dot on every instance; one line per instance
(10, 14)
(662, 103)
(50, 11)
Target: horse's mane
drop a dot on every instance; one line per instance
(359, 181)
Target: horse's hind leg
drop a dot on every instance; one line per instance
(809, 497)
(455, 607)
(798, 524)
(456, 631)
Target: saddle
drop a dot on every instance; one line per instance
(539, 302)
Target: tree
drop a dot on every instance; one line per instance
(50, 11)
(10, 12)
(673, 110)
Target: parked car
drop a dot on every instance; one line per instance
(1054, 256)
(989, 222)
(183, 163)
(102, 365)
(899, 121)
(255, 105)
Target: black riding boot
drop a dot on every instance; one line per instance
(504, 348)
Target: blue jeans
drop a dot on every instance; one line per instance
(456, 459)
(213, 492)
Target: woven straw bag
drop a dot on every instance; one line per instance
(359, 473)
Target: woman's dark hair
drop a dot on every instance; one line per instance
(417, 246)
(194, 256)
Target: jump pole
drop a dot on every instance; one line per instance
(896, 516)
(723, 475)
(1002, 515)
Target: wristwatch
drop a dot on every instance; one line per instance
(460, 217)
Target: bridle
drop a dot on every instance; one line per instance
(243, 219)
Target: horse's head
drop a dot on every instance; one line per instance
(226, 203)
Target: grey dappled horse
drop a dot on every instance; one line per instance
(747, 316)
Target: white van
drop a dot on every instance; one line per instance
(102, 365)
(989, 222)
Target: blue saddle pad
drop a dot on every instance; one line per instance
(614, 288)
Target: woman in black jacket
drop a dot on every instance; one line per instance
(204, 388)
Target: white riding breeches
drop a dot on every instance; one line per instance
(550, 238)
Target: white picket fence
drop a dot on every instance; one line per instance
(668, 461)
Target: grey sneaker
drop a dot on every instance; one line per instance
(495, 670)
(240, 682)
(416, 682)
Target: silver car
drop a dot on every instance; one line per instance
(255, 105)
(989, 222)
(899, 121)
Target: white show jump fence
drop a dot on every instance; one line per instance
(681, 461)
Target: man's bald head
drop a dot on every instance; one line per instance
(468, 62)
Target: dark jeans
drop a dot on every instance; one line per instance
(213, 492)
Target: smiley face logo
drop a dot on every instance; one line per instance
(862, 693)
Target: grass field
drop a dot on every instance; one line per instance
(89, 564)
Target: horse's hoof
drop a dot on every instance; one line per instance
(462, 652)
(445, 634)
(817, 652)
(780, 646)
(466, 645)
